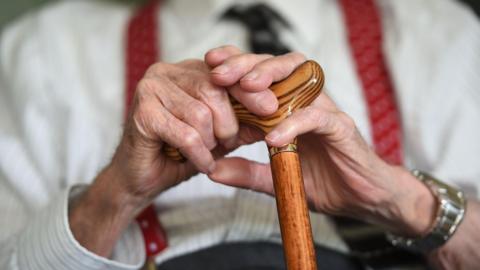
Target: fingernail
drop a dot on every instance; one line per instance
(272, 136)
(222, 69)
(250, 76)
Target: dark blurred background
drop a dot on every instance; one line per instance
(475, 4)
(10, 9)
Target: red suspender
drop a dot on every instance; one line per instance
(365, 37)
(153, 234)
(142, 46)
(141, 52)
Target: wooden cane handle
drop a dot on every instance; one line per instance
(292, 209)
(296, 91)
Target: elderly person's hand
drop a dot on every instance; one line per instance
(175, 104)
(343, 175)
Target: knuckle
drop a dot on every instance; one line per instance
(191, 139)
(157, 68)
(146, 86)
(273, 67)
(200, 113)
(346, 120)
(236, 60)
(245, 59)
(261, 60)
(213, 95)
(346, 127)
(315, 115)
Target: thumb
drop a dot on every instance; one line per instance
(243, 173)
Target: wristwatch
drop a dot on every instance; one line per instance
(450, 213)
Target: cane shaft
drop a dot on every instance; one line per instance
(292, 209)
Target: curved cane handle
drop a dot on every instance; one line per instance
(296, 91)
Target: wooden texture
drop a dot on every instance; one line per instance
(293, 212)
(296, 91)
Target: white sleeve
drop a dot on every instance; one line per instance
(46, 242)
(34, 229)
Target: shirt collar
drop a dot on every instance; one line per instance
(301, 15)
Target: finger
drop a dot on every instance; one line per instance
(157, 122)
(271, 70)
(217, 56)
(225, 124)
(198, 86)
(187, 109)
(311, 118)
(243, 173)
(188, 141)
(235, 67)
(173, 171)
(246, 135)
(262, 103)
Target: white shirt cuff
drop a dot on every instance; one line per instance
(48, 243)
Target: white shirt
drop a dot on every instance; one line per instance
(62, 102)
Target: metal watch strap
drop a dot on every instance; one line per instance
(451, 210)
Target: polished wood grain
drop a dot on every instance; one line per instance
(296, 91)
(293, 211)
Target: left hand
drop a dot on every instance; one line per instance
(342, 174)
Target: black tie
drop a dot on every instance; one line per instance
(263, 24)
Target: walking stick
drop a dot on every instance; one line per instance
(296, 91)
